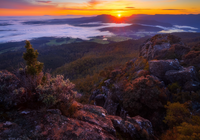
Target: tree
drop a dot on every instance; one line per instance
(34, 67)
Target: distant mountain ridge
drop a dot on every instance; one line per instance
(166, 21)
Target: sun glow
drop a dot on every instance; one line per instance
(119, 15)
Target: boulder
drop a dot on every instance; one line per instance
(160, 67)
(133, 128)
(97, 116)
(159, 46)
(181, 76)
(143, 124)
(99, 100)
(192, 86)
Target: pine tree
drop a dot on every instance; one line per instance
(34, 67)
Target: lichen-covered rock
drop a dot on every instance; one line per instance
(133, 128)
(53, 125)
(181, 76)
(161, 46)
(88, 122)
(95, 115)
(144, 124)
(95, 109)
(160, 67)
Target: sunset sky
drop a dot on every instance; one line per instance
(96, 7)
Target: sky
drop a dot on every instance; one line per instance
(97, 7)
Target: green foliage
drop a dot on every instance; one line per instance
(34, 67)
(48, 99)
(176, 114)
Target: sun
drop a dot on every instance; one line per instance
(119, 15)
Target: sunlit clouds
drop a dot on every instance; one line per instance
(96, 7)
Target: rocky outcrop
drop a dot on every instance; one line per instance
(181, 76)
(170, 71)
(160, 67)
(163, 46)
(51, 125)
(88, 122)
(186, 77)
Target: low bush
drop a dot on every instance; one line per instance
(56, 90)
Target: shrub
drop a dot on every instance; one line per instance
(196, 47)
(144, 94)
(185, 131)
(188, 131)
(56, 90)
(176, 114)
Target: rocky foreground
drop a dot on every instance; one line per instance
(88, 122)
